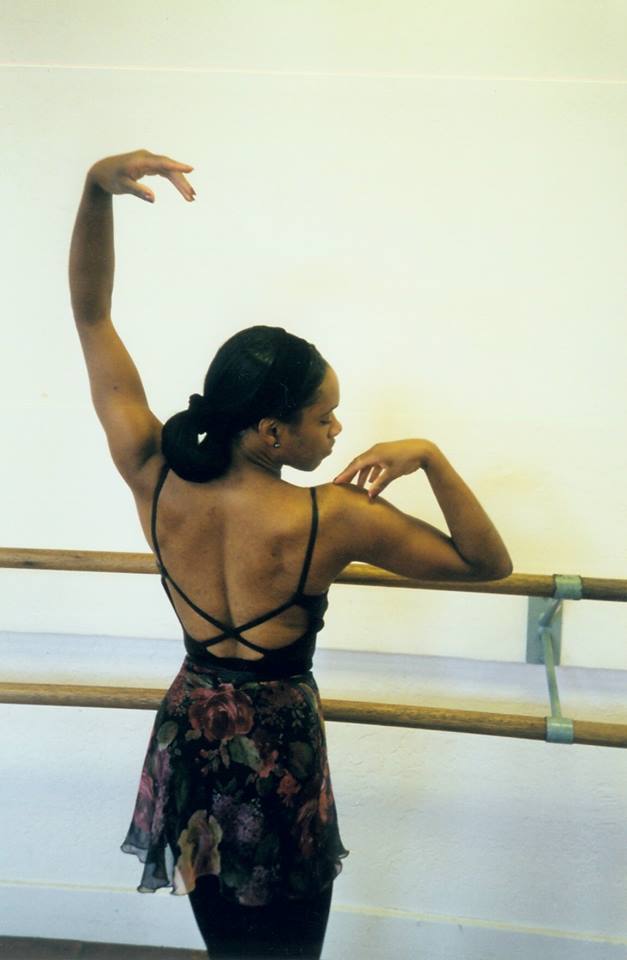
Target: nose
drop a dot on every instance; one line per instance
(337, 427)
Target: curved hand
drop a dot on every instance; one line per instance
(385, 462)
(120, 174)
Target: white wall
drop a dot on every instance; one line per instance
(435, 194)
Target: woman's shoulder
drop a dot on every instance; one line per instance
(356, 520)
(344, 501)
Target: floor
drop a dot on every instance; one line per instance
(28, 948)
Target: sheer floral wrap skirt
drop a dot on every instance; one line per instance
(236, 785)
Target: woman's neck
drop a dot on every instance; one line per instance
(252, 462)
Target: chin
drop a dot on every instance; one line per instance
(314, 464)
(308, 466)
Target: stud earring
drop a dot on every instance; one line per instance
(276, 444)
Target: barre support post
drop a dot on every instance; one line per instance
(544, 645)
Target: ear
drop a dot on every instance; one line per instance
(269, 431)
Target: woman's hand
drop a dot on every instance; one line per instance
(385, 462)
(121, 174)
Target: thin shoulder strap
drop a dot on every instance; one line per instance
(153, 518)
(312, 541)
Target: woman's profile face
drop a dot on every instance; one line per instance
(307, 443)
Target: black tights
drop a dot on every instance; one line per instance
(285, 929)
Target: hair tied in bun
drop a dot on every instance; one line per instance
(258, 372)
(199, 412)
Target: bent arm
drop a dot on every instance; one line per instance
(378, 533)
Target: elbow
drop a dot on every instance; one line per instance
(502, 572)
(498, 570)
(509, 568)
(506, 567)
(495, 565)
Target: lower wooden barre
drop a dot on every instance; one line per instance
(344, 711)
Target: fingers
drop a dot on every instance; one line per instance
(347, 473)
(379, 485)
(371, 474)
(345, 476)
(129, 185)
(157, 163)
(378, 479)
(350, 472)
(169, 164)
(351, 469)
(363, 476)
(368, 474)
(183, 185)
(151, 164)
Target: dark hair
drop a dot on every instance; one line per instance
(260, 372)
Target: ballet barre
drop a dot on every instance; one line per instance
(359, 574)
(543, 623)
(344, 711)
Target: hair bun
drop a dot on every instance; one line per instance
(199, 412)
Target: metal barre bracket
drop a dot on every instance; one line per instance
(568, 587)
(544, 645)
(547, 612)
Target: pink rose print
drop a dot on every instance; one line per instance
(288, 786)
(268, 764)
(221, 714)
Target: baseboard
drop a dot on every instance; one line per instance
(124, 916)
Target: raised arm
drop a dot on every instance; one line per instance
(378, 533)
(133, 432)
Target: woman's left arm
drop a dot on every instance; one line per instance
(133, 431)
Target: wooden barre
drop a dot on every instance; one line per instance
(518, 584)
(344, 711)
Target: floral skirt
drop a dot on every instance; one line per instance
(236, 785)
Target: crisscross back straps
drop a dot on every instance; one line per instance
(227, 630)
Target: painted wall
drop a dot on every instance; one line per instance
(435, 194)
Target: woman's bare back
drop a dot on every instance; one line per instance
(236, 550)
